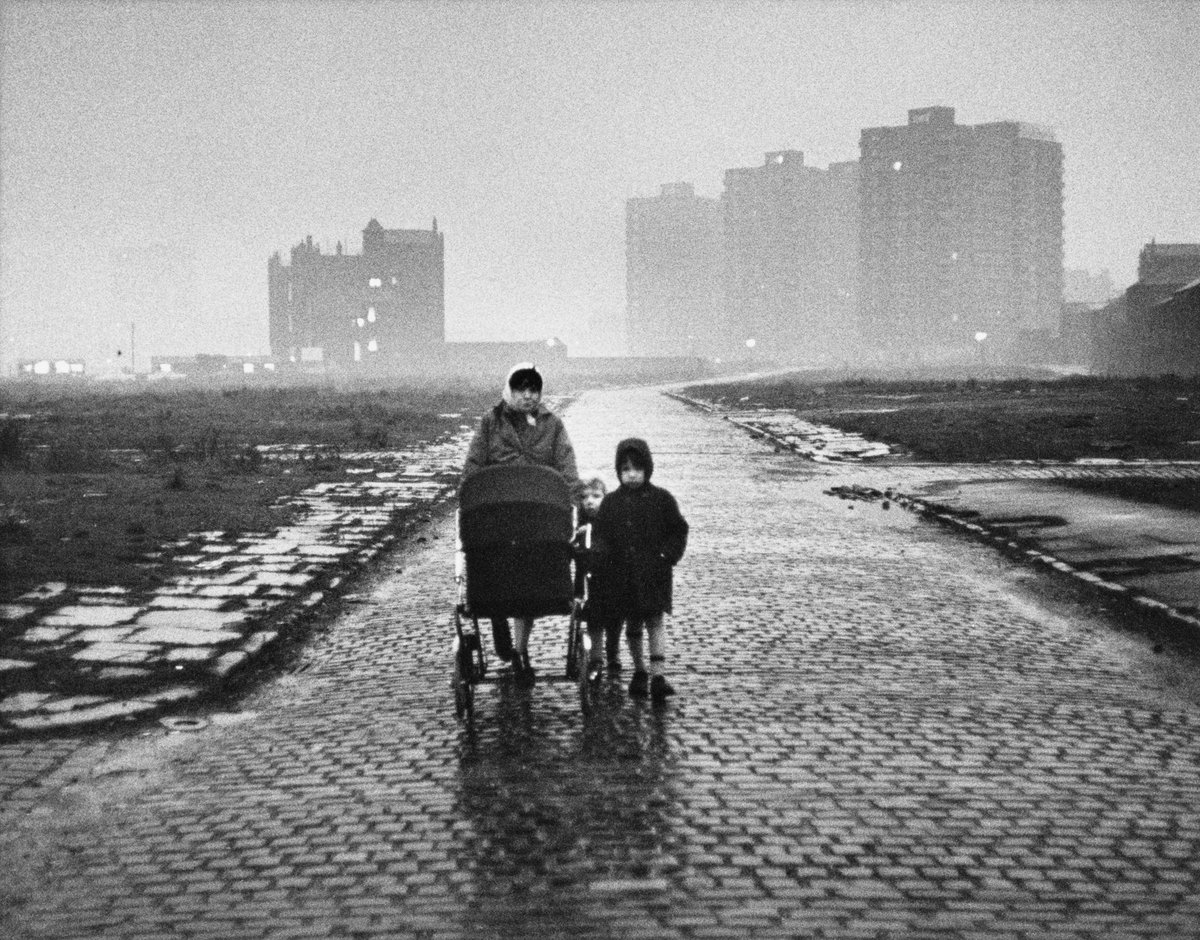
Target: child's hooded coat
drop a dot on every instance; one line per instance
(642, 535)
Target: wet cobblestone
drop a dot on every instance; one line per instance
(879, 733)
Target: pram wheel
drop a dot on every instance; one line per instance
(579, 663)
(574, 632)
(468, 669)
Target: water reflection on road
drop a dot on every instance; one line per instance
(564, 815)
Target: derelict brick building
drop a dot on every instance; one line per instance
(962, 235)
(381, 311)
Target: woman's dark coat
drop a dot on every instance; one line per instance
(641, 535)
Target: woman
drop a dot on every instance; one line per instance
(520, 429)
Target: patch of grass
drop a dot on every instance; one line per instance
(1003, 419)
(96, 482)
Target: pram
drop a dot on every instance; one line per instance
(514, 558)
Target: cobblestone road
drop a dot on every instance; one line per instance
(880, 732)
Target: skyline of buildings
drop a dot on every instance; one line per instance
(962, 234)
(941, 236)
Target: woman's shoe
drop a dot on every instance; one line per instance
(639, 686)
(660, 688)
(522, 670)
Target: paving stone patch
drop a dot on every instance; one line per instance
(340, 526)
(179, 636)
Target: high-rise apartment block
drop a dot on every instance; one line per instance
(382, 310)
(673, 274)
(791, 234)
(962, 234)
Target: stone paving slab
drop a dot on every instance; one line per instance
(205, 617)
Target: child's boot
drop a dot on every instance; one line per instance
(660, 688)
(612, 645)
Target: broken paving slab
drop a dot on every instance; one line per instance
(181, 636)
(189, 601)
(227, 591)
(44, 591)
(196, 581)
(24, 702)
(192, 619)
(124, 653)
(323, 551)
(42, 634)
(103, 634)
(277, 579)
(75, 701)
(191, 654)
(90, 615)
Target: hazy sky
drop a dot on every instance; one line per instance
(202, 137)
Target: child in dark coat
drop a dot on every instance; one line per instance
(604, 633)
(642, 535)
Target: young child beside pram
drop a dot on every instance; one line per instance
(604, 633)
(640, 536)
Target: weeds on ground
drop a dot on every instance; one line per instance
(96, 483)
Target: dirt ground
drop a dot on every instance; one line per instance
(95, 482)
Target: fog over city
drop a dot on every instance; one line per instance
(191, 141)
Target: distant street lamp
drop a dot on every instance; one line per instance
(979, 338)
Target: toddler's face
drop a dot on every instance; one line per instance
(632, 476)
(591, 500)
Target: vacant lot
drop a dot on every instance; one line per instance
(1004, 419)
(95, 480)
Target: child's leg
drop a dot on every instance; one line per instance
(658, 644)
(612, 644)
(639, 685)
(521, 628)
(595, 630)
(502, 638)
(634, 636)
(659, 687)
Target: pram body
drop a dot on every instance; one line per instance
(515, 558)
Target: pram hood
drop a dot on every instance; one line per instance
(514, 502)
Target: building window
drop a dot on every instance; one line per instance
(357, 351)
(395, 280)
(375, 282)
(373, 345)
(360, 321)
(370, 314)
